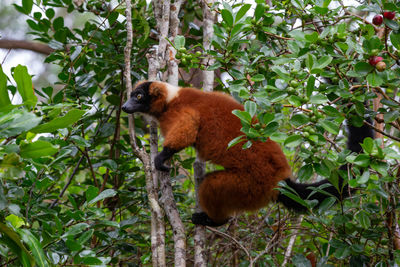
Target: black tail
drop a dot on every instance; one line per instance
(356, 136)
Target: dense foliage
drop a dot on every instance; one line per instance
(72, 192)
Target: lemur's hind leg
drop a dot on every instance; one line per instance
(224, 193)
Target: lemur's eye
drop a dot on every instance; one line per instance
(139, 96)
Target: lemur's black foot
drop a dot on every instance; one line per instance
(201, 218)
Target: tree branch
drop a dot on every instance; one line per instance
(26, 45)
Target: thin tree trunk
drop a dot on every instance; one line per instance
(167, 198)
(157, 215)
(200, 258)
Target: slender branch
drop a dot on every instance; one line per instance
(68, 182)
(233, 239)
(157, 215)
(26, 45)
(382, 132)
(288, 252)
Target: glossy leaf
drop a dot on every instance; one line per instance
(4, 98)
(103, 195)
(17, 122)
(35, 247)
(24, 86)
(38, 149)
(68, 119)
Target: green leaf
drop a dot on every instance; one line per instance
(227, 17)
(372, 43)
(13, 241)
(331, 111)
(77, 228)
(113, 17)
(17, 122)
(318, 99)
(250, 107)
(368, 145)
(73, 245)
(322, 169)
(4, 98)
(298, 35)
(395, 39)
(58, 123)
(323, 62)
(24, 86)
(299, 119)
(91, 261)
(242, 11)
(362, 160)
(85, 236)
(258, 78)
(58, 23)
(312, 37)
(236, 141)
(242, 115)
(247, 145)
(330, 126)
(278, 96)
(259, 11)
(179, 41)
(15, 221)
(305, 172)
(363, 178)
(91, 193)
(295, 100)
(391, 116)
(35, 247)
(27, 6)
(310, 85)
(321, 10)
(363, 218)
(103, 195)
(109, 163)
(37, 149)
(288, 192)
(363, 68)
(310, 61)
(271, 128)
(293, 140)
(374, 79)
(49, 13)
(380, 166)
(392, 24)
(300, 260)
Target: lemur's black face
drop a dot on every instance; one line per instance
(140, 99)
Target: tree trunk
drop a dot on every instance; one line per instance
(200, 258)
(157, 215)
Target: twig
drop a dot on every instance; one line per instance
(382, 132)
(68, 182)
(231, 238)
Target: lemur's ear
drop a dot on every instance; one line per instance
(137, 84)
(156, 89)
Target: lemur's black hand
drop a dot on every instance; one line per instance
(159, 160)
(159, 164)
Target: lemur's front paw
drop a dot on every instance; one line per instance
(159, 164)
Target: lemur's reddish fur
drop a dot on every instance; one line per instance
(205, 120)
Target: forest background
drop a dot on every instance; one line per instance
(78, 186)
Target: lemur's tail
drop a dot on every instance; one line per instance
(356, 136)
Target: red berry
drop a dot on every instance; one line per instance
(389, 15)
(377, 20)
(374, 60)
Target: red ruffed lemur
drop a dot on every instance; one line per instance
(204, 120)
